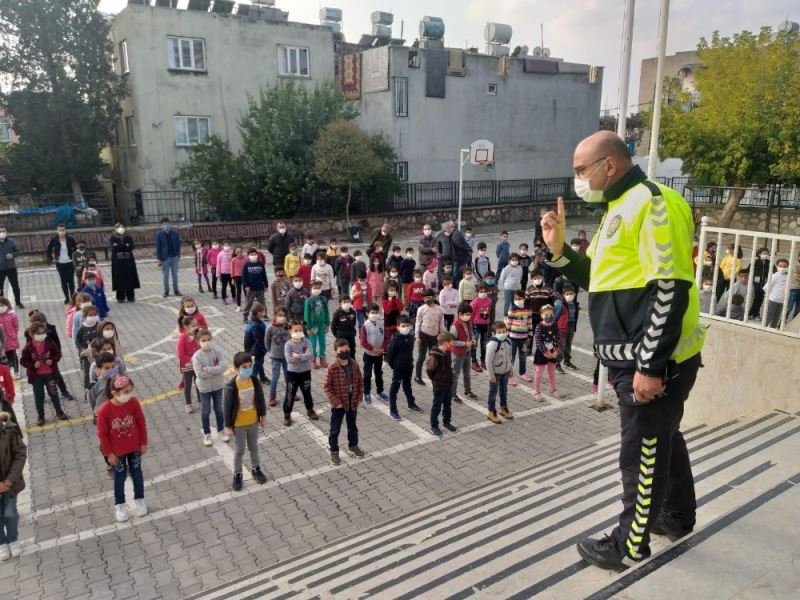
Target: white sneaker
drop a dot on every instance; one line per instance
(224, 437)
(5, 553)
(188, 408)
(121, 511)
(238, 309)
(17, 375)
(15, 548)
(207, 439)
(141, 507)
(538, 397)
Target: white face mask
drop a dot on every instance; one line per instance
(120, 230)
(84, 304)
(408, 254)
(519, 303)
(320, 263)
(392, 294)
(215, 246)
(569, 297)
(190, 310)
(281, 230)
(426, 232)
(297, 284)
(468, 277)
(481, 252)
(123, 398)
(280, 320)
(345, 306)
(108, 333)
(707, 287)
(576, 247)
(482, 294)
(3, 235)
(584, 190)
(765, 256)
(316, 292)
(205, 345)
(537, 282)
(40, 337)
(297, 335)
(3, 310)
(783, 269)
(514, 263)
(373, 317)
(417, 279)
(466, 318)
(226, 248)
(90, 321)
(404, 330)
(253, 258)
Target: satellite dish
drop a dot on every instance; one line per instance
(546, 52)
(537, 51)
(525, 51)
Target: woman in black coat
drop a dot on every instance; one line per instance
(124, 276)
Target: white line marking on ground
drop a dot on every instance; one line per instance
(419, 432)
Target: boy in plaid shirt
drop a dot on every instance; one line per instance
(344, 386)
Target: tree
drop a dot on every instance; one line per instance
(745, 127)
(65, 95)
(344, 156)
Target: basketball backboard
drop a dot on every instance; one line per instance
(481, 152)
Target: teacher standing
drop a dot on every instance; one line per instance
(168, 253)
(124, 275)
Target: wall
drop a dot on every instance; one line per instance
(241, 57)
(748, 373)
(536, 120)
(756, 219)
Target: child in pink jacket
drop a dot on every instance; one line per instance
(224, 270)
(10, 325)
(186, 347)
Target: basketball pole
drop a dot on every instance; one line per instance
(463, 157)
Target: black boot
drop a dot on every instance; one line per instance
(601, 553)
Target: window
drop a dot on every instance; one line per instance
(401, 170)
(123, 57)
(5, 129)
(400, 96)
(191, 130)
(130, 131)
(293, 61)
(492, 89)
(186, 54)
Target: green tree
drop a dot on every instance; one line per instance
(345, 158)
(745, 127)
(65, 95)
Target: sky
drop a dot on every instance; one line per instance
(585, 31)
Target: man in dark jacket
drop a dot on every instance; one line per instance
(382, 234)
(168, 253)
(13, 455)
(60, 249)
(427, 246)
(278, 244)
(400, 358)
(440, 372)
(8, 264)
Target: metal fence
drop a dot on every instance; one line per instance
(177, 206)
(775, 196)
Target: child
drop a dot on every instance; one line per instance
(75, 316)
(8, 392)
(499, 366)
(440, 372)
(490, 282)
(224, 260)
(460, 348)
(341, 268)
(358, 267)
(566, 316)
(201, 265)
(237, 264)
(481, 318)
(428, 325)
(447, 269)
(280, 289)
(342, 385)
(323, 273)
(108, 332)
(395, 260)
(189, 309)
(375, 277)
(310, 248)
(448, 300)
(343, 323)
(706, 294)
(122, 431)
(91, 267)
(37, 317)
(548, 346)
(209, 366)
(305, 271)
(378, 254)
(372, 339)
(317, 319)
(482, 265)
(537, 295)
(211, 261)
(502, 252)
(297, 352)
(84, 336)
(70, 310)
(186, 347)
(274, 342)
(99, 346)
(332, 253)
(80, 258)
(296, 300)
(244, 413)
(254, 282)
(520, 326)
(510, 282)
(775, 291)
(291, 264)
(400, 358)
(470, 239)
(430, 278)
(14, 453)
(40, 357)
(467, 290)
(361, 293)
(525, 263)
(95, 290)
(105, 367)
(393, 276)
(407, 271)
(392, 306)
(254, 340)
(581, 242)
(413, 295)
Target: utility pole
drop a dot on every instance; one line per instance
(659, 93)
(625, 68)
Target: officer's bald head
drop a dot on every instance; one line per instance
(602, 145)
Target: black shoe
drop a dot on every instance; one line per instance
(67, 301)
(667, 526)
(457, 400)
(68, 396)
(436, 431)
(414, 407)
(418, 381)
(335, 460)
(264, 379)
(472, 396)
(166, 294)
(569, 365)
(177, 293)
(110, 472)
(356, 451)
(450, 427)
(258, 475)
(20, 305)
(560, 370)
(237, 482)
(601, 553)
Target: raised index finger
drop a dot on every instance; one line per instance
(560, 209)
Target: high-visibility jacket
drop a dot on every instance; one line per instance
(644, 306)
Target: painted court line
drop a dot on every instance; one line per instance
(419, 432)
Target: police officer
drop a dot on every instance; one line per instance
(644, 312)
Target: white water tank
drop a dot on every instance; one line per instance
(383, 32)
(498, 50)
(381, 18)
(431, 28)
(497, 33)
(334, 26)
(330, 14)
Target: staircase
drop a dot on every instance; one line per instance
(516, 538)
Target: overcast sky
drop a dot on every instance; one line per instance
(588, 31)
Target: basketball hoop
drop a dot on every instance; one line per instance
(481, 152)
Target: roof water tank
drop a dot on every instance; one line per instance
(383, 32)
(497, 33)
(334, 26)
(498, 50)
(381, 18)
(431, 28)
(330, 14)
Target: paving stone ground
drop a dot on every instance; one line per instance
(198, 532)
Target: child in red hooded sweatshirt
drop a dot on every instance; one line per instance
(186, 347)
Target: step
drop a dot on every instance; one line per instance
(516, 537)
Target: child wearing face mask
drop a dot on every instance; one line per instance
(310, 247)
(274, 341)
(291, 263)
(305, 270)
(392, 306)
(525, 263)
(503, 252)
(343, 386)
(104, 368)
(80, 258)
(280, 288)
(296, 300)
(499, 366)
(101, 346)
(343, 323)
(317, 319)
(510, 281)
(414, 294)
(467, 287)
(237, 265)
(36, 317)
(106, 332)
(461, 349)
(427, 326)
(40, 358)
(92, 267)
(361, 293)
(359, 266)
(72, 308)
(224, 260)
(481, 318)
(490, 281)
(298, 353)
(448, 300)
(706, 294)
(375, 276)
(122, 432)
(189, 308)
(254, 282)
(211, 261)
(209, 366)
(323, 273)
(548, 345)
(481, 263)
(379, 255)
(201, 265)
(186, 347)
(84, 336)
(333, 252)
(407, 267)
(255, 340)
(395, 260)
(392, 276)
(580, 244)
(12, 481)
(341, 268)
(95, 290)
(372, 339)
(400, 358)
(566, 316)
(430, 278)
(775, 291)
(520, 327)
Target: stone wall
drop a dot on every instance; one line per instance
(758, 219)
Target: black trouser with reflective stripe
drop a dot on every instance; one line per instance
(653, 459)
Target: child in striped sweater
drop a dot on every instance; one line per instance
(520, 331)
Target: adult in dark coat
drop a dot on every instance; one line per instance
(427, 246)
(60, 249)
(124, 275)
(382, 234)
(8, 265)
(278, 245)
(452, 245)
